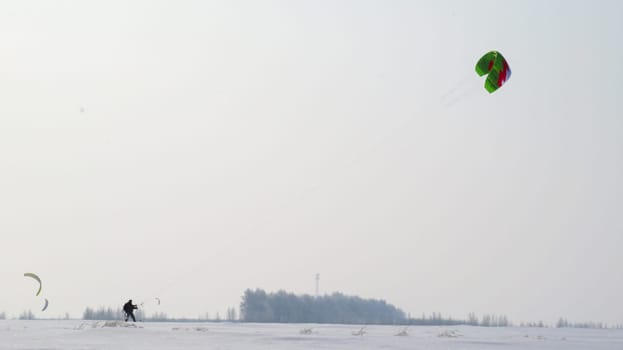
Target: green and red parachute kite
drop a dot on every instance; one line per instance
(496, 68)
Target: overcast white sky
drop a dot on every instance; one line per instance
(192, 149)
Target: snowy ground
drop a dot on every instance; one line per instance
(99, 335)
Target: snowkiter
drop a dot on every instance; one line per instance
(129, 308)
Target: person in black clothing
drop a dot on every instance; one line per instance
(128, 308)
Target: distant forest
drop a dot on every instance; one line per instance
(108, 313)
(259, 306)
(283, 307)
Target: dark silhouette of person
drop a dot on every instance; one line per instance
(129, 308)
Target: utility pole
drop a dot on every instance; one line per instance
(317, 282)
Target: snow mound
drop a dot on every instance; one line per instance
(105, 324)
(84, 325)
(306, 331)
(539, 337)
(114, 324)
(360, 332)
(449, 334)
(402, 333)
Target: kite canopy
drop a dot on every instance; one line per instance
(496, 68)
(46, 305)
(36, 278)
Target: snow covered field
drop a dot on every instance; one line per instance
(89, 335)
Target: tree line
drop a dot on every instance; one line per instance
(436, 319)
(283, 307)
(563, 323)
(109, 314)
